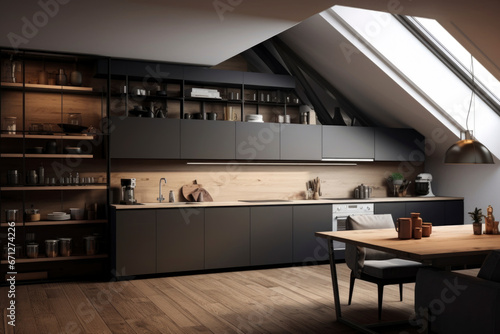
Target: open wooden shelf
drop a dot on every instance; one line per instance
(58, 222)
(48, 136)
(58, 258)
(20, 85)
(80, 187)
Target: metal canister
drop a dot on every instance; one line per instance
(90, 245)
(304, 117)
(51, 248)
(12, 177)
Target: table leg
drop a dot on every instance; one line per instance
(335, 283)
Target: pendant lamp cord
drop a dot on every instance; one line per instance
(472, 93)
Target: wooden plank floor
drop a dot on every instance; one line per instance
(284, 300)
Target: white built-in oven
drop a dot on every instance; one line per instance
(340, 214)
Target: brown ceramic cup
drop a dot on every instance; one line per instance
(430, 227)
(426, 231)
(417, 233)
(403, 227)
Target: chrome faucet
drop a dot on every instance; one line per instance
(160, 197)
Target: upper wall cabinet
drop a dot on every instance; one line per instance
(144, 138)
(399, 145)
(257, 141)
(300, 142)
(207, 139)
(342, 142)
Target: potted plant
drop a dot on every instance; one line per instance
(396, 178)
(477, 217)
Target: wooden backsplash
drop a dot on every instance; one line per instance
(234, 182)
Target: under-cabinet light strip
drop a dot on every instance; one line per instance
(273, 163)
(353, 160)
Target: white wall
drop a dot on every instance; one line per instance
(478, 184)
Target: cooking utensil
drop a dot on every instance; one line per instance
(72, 128)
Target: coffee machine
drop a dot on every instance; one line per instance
(423, 185)
(127, 193)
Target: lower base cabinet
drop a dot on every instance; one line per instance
(180, 240)
(308, 219)
(135, 242)
(227, 237)
(437, 212)
(271, 235)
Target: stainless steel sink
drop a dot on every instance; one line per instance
(263, 200)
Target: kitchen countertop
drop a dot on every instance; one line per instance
(263, 202)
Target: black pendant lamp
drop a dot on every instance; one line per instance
(468, 150)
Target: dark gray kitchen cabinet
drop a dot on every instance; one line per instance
(271, 235)
(227, 237)
(135, 242)
(431, 211)
(180, 239)
(203, 139)
(454, 212)
(307, 220)
(399, 145)
(144, 138)
(300, 142)
(257, 141)
(396, 209)
(449, 212)
(342, 142)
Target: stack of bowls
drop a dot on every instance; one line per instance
(254, 118)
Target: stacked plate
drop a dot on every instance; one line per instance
(254, 118)
(58, 216)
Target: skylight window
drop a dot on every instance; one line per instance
(397, 51)
(461, 57)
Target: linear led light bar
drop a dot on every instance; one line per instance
(273, 163)
(353, 160)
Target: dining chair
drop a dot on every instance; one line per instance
(376, 266)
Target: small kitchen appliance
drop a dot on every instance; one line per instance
(128, 191)
(423, 185)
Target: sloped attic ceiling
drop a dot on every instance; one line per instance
(360, 80)
(190, 31)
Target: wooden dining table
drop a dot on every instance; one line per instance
(447, 246)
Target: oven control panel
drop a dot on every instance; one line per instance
(347, 209)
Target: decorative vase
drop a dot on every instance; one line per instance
(76, 78)
(61, 79)
(416, 223)
(478, 228)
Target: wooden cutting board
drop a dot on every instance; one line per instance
(191, 192)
